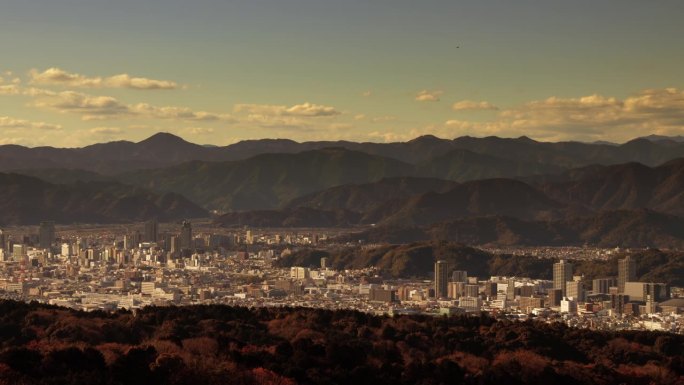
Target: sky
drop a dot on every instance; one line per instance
(77, 72)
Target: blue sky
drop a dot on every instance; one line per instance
(221, 71)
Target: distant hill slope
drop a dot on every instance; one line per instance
(625, 186)
(623, 228)
(267, 181)
(365, 197)
(417, 259)
(27, 200)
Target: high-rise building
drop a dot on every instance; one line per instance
(562, 273)
(626, 272)
(555, 297)
(186, 236)
(19, 252)
(459, 276)
(640, 291)
(46, 234)
(575, 290)
(602, 285)
(3, 241)
(151, 231)
(441, 279)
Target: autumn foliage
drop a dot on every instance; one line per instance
(230, 345)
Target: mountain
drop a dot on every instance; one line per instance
(366, 197)
(626, 186)
(472, 199)
(297, 217)
(26, 200)
(267, 181)
(664, 139)
(164, 150)
(621, 228)
(463, 165)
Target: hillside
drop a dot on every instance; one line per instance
(417, 259)
(285, 346)
(26, 200)
(625, 186)
(267, 181)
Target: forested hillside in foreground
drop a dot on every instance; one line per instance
(219, 345)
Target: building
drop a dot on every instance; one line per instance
(575, 290)
(459, 276)
(324, 263)
(456, 290)
(441, 279)
(639, 291)
(299, 273)
(377, 294)
(562, 273)
(529, 303)
(568, 306)
(151, 231)
(602, 285)
(470, 303)
(472, 290)
(186, 242)
(19, 252)
(626, 272)
(555, 297)
(46, 234)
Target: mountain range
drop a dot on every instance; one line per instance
(480, 190)
(164, 149)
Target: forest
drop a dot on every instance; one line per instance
(213, 344)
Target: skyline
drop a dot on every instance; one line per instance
(78, 72)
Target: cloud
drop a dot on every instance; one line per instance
(468, 105)
(367, 93)
(106, 107)
(106, 130)
(178, 113)
(383, 119)
(7, 122)
(591, 117)
(9, 89)
(428, 96)
(297, 110)
(92, 107)
(199, 130)
(57, 76)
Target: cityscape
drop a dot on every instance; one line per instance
(334, 192)
(104, 269)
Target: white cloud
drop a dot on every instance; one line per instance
(468, 105)
(297, 110)
(367, 93)
(178, 113)
(106, 107)
(428, 96)
(9, 89)
(592, 117)
(199, 130)
(106, 130)
(7, 122)
(60, 77)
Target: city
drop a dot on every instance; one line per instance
(130, 267)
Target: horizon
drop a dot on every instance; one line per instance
(383, 72)
(180, 136)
